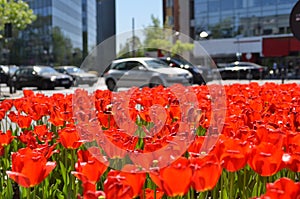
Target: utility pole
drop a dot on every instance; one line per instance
(133, 39)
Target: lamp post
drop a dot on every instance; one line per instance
(238, 51)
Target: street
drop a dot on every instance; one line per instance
(4, 90)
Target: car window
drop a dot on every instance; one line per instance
(74, 70)
(23, 71)
(29, 71)
(61, 70)
(153, 63)
(132, 65)
(45, 70)
(119, 66)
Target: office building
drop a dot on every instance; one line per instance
(75, 20)
(248, 30)
(89, 25)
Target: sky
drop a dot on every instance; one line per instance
(141, 11)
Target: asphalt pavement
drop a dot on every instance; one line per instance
(5, 90)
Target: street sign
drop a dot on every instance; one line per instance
(295, 20)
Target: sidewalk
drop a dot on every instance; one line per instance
(5, 94)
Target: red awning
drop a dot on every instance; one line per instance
(280, 46)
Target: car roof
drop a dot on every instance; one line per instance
(66, 67)
(134, 59)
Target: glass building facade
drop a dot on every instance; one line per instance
(246, 18)
(65, 15)
(75, 19)
(89, 24)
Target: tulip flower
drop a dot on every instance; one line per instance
(175, 179)
(266, 158)
(89, 165)
(6, 138)
(202, 166)
(130, 181)
(283, 188)
(29, 167)
(69, 137)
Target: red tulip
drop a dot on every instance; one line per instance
(69, 137)
(6, 138)
(29, 167)
(265, 159)
(115, 188)
(283, 188)
(130, 181)
(202, 166)
(42, 133)
(233, 153)
(89, 165)
(175, 179)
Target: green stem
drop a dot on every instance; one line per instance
(28, 193)
(221, 186)
(34, 192)
(72, 178)
(231, 179)
(244, 194)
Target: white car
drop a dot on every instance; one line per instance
(144, 71)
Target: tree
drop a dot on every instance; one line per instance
(16, 13)
(165, 39)
(62, 47)
(126, 50)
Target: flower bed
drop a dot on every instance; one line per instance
(59, 147)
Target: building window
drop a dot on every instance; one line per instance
(169, 3)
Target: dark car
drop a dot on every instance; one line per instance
(43, 77)
(6, 71)
(79, 75)
(200, 74)
(242, 70)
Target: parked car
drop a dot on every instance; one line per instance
(6, 71)
(43, 77)
(200, 74)
(144, 71)
(79, 76)
(242, 70)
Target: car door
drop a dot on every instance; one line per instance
(21, 77)
(31, 78)
(136, 75)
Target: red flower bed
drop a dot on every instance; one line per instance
(177, 142)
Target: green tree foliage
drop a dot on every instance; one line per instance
(16, 13)
(62, 48)
(126, 49)
(165, 38)
(156, 37)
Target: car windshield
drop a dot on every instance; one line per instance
(45, 70)
(74, 70)
(184, 62)
(153, 63)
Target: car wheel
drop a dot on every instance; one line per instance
(67, 87)
(111, 85)
(155, 82)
